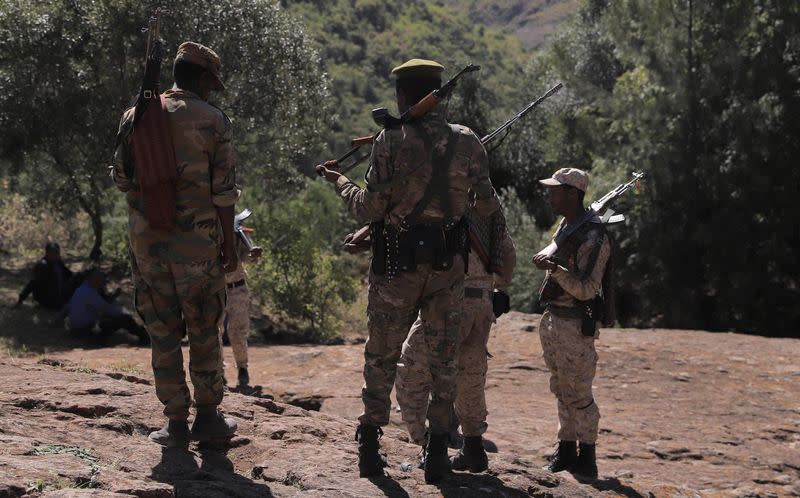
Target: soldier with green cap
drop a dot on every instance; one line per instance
(419, 183)
(568, 328)
(178, 268)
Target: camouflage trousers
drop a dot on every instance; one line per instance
(436, 296)
(237, 311)
(572, 360)
(173, 298)
(414, 381)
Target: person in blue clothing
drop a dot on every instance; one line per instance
(87, 308)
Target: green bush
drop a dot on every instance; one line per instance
(299, 274)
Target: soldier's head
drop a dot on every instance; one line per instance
(414, 80)
(52, 252)
(566, 190)
(96, 278)
(196, 69)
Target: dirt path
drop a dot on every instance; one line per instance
(716, 413)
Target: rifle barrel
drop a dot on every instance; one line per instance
(491, 136)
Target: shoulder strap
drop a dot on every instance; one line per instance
(438, 183)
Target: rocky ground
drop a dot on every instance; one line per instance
(685, 413)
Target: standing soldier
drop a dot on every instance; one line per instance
(178, 266)
(237, 310)
(492, 259)
(417, 192)
(568, 329)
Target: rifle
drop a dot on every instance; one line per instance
(383, 119)
(237, 227)
(156, 170)
(356, 242)
(601, 205)
(154, 54)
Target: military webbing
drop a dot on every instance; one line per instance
(438, 183)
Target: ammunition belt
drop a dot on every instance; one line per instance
(396, 250)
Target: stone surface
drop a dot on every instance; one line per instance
(685, 413)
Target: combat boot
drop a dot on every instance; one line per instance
(175, 434)
(370, 461)
(244, 377)
(211, 425)
(471, 456)
(564, 457)
(587, 462)
(437, 464)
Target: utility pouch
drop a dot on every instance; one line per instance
(588, 327)
(501, 303)
(377, 236)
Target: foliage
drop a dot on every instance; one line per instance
(702, 96)
(69, 69)
(361, 40)
(296, 275)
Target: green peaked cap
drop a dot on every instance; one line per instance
(418, 68)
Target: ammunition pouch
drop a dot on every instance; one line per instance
(589, 312)
(395, 250)
(501, 303)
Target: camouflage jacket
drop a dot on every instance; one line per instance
(402, 166)
(479, 277)
(201, 136)
(573, 278)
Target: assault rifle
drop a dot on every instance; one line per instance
(239, 229)
(600, 207)
(382, 117)
(357, 241)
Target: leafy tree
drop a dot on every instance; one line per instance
(69, 69)
(703, 97)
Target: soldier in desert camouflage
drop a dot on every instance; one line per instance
(489, 268)
(237, 310)
(568, 328)
(417, 192)
(178, 272)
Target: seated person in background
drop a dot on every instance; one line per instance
(49, 280)
(87, 308)
(80, 277)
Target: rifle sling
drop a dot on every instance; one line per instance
(438, 183)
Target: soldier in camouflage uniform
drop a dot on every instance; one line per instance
(568, 328)
(418, 188)
(178, 272)
(237, 310)
(413, 379)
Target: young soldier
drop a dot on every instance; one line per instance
(178, 271)
(417, 191)
(489, 268)
(568, 327)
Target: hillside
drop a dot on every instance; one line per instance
(532, 21)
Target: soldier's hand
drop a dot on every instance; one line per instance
(326, 170)
(542, 262)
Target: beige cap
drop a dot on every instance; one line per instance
(568, 176)
(418, 68)
(202, 56)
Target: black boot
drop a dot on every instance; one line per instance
(175, 434)
(471, 456)
(437, 464)
(244, 377)
(587, 462)
(564, 457)
(370, 461)
(211, 425)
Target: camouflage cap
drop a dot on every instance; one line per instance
(202, 56)
(568, 176)
(418, 68)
